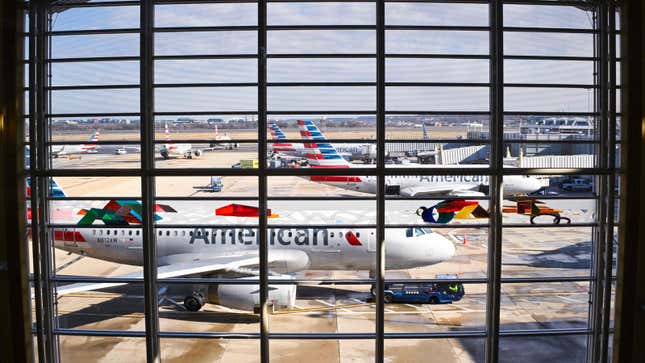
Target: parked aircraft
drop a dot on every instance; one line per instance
(171, 149)
(323, 155)
(223, 141)
(90, 147)
(232, 252)
(349, 151)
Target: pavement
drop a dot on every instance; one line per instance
(536, 251)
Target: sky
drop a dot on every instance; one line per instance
(321, 70)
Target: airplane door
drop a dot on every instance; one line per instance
(371, 242)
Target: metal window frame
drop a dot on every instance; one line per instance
(599, 279)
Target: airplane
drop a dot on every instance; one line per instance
(221, 141)
(323, 155)
(90, 147)
(170, 149)
(349, 151)
(232, 252)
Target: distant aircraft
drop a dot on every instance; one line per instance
(221, 141)
(170, 149)
(89, 147)
(323, 155)
(232, 252)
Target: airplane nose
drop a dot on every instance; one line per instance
(441, 250)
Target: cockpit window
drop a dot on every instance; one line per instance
(416, 232)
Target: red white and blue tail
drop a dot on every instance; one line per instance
(277, 134)
(91, 142)
(166, 133)
(319, 153)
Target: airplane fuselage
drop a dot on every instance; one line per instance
(326, 248)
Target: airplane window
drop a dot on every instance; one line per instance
(290, 234)
(408, 232)
(107, 232)
(160, 233)
(175, 234)
(199, 233)
(190, 233)
(137, 233)
(183, 233)
(331, 234)
(129, 233)
(207, 234)
(123, 232)
(358, 234)
(167, 233)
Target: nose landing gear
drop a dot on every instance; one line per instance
(194, 302)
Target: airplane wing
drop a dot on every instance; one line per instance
(432, 190)
(192, 265)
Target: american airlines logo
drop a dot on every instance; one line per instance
(277, 236)
(454, 178)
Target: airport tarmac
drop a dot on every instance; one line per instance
(538, 251)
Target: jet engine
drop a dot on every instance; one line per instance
(197, 153)
(247, 296)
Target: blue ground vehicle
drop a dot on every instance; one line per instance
(424, 293)
(216, 184)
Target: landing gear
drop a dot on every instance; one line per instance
(194, 302)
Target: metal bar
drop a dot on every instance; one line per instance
(34, 154)
(205, 113)
(320, 55)
(437, 27)
(611, 198)
(328, 171)
(92, 87)
(94, 59)
(362, 226)
(545, 332)
(204, 56)
(234, 281)
(599, 233)
(262, 181)
(98, 114)
(92, 32)
(379, 273)
(437, 56)
(496, 133)
(232, 28)
(48, 307)
(146, 72)
(85, 4)
(548, 30)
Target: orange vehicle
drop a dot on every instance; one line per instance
(535, 208)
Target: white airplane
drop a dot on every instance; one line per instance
(349, 151)
(323, 155)
(171, 149)
(223, 141)
(226, 252)
(89, 147)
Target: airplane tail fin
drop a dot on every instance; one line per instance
(319, 153)
(166, 132)
(95, 136)
(54, 189)
(277, 134)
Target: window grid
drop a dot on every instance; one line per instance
(40, 168)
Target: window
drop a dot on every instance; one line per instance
(410, 137)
